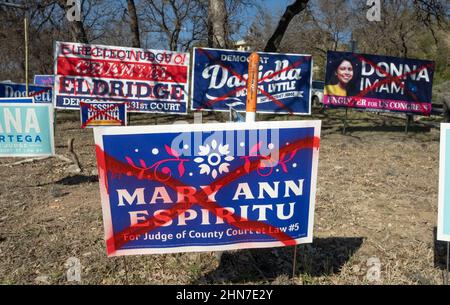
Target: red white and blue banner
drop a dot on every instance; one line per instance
(40, 94)
(220, 81)
(378, 83)
(94, 114)
(148, 80)
(210, 187)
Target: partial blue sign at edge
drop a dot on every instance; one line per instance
(443, 228)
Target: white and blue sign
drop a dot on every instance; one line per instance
(46, 80)
(17, 100)
(26, 130)
(173, 188)
(40, 94)
(443, 228)
(220, 81)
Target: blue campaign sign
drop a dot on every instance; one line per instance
(40, 94)
(46, 80)
(103, 114)
(178, 188)
(220, 76)
(17, 100)
(378, 83)
(26, 130)
(443, 228)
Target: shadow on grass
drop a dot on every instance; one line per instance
(77, 179)
(325, 256)
(386, 128)
(440, 252)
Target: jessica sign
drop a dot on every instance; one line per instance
(378, 83)
(148, 80)
(26, 130)
(220, 81)
(103, 114)
(214, 187)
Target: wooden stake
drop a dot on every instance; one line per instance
(252, 87)
(25, 22)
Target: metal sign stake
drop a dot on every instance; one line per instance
(345, 120)
(294, 262)
(446, 274)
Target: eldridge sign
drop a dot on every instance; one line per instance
(148, 80)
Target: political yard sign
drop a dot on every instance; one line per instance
(378, 83)
(214, 187)
(26, 130)
(443, 228)
(46, 80)
(40, 94)
(103, 114)
(148, 80)
(220, 81)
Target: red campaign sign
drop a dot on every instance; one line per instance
(148, 80)
(122, 70)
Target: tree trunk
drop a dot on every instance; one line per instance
(78, 32)
(134, 25)
(294, 9)
(76, 28)
(217, 24)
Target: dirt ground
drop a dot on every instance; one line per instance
(376, 207)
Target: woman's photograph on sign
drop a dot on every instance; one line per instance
(341, 81)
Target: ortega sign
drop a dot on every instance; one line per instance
(148, 80)
(220, 81)
(214, 187)
(26, 130)
(40, 94)
(378, 83)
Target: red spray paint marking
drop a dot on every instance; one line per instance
(116, 167)
(397, 79)
(241, 78)
(39, 92)
(389, 78)
(99, 113)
